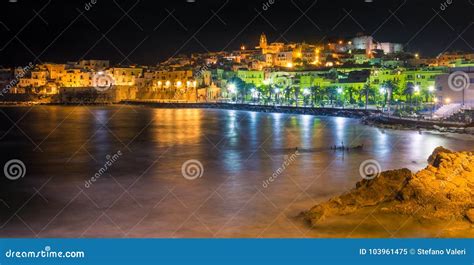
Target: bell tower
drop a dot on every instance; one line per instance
(263, 41)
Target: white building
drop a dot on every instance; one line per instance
(364, 43)
(456, 87)
(284, 58)
(390, 47)
(368, 44)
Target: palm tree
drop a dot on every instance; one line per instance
(331, 92)
(287, 91)
(296, 91)
(409, 91)
(317, 93)
(240, 86)
(245, 91)
(262, 92)
(390, 86)
(366, 91)
(350, 91)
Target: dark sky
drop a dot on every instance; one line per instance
(154, 30)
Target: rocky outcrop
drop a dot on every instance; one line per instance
(444, 190)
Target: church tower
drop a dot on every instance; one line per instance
(263, 41)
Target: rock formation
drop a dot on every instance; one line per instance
(443, 190)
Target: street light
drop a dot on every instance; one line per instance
(417, 89)
(383, 91)
(231, 88)
(431, 89)
(306, 92)
(254, 93)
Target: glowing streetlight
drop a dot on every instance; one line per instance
(383, 90)
(339, 90)
(276, 90)
(448, 100)
(254, 93)
(306, 92)
(289, 65)
(231, 88)
(431, 88)
(416, 89)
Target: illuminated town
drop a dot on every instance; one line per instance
(348, 73)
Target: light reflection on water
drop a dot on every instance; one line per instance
(238, 149)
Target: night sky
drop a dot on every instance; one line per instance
(147, 32)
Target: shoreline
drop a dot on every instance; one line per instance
(336, 112)
(369, 117)
(396, 123)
